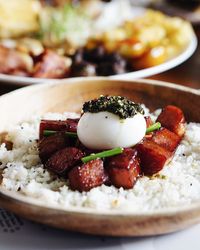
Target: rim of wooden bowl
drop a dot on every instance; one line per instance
(10, 199)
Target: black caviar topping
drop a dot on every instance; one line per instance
(117, 105)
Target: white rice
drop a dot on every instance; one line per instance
(176, 185)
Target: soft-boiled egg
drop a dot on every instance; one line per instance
(105, 130)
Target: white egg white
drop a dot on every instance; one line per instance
(104, 130)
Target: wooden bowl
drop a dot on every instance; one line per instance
(69, 95)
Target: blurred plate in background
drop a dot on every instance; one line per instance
(183, 56)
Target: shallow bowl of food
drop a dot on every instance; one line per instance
(163, 203)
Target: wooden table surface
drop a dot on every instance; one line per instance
(187, 74)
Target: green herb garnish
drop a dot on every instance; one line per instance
(153, 127)
(52, 132)
(107, 153)
(117, 105)
(66, 23)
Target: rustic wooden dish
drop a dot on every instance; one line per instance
(68, 95)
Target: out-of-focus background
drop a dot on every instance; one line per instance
(45, 39)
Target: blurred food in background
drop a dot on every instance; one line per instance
(58, 39)
(188, 9)
(18, 18)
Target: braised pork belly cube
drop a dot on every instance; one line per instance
(173, 119)
(152, 156)
(124, 169)
(69, 125)
(72, 124)
(47, 146)
(87, 176)
(63, 160)
(166, 139)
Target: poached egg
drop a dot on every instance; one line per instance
(105, 130)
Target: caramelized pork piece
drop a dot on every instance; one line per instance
(152, 156)
(173, 119)
(69, 125)
(166, 139)
(124, 169)
(87, 176)
(72, 124)
(14, 62)
(63, 160)
(51, 65)
(47, 146)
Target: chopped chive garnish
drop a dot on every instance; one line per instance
(153, 127)
(107, 153)
(52, 132)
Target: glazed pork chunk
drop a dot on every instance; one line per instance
(87, 176)
(124, 169)
(69, 125)
(47, 146)
(173, 119)
(63, 160)
(153, 157)
(157, 150)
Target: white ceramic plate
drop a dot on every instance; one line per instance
(180, 58)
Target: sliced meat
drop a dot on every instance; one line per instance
(51, 65)
(56, 125)
(173, 119)
(63, 160)
(87, 176)
(152, 156)
(166, 139)
(124, 169)
(13, 61)
(50, 145)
